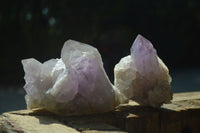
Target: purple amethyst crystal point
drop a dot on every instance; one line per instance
(145, 57)
(142, 76)
(76, 84)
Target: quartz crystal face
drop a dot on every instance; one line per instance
(75, 84)
(142, 76)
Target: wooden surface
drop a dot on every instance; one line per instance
(181, 116)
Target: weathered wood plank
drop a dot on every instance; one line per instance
(182, 115)
(186, 96)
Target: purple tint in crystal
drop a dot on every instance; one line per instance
(142, 76)
(145, 57)
(73, 85)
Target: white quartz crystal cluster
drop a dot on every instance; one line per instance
(77, 84)
(142, 76)
(74, 84)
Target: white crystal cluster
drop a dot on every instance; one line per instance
(142, 76)
(77, 84)
(74, 84)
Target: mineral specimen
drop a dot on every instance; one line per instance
(76, 84)
(142, 76)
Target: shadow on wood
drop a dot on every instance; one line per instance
(181, 116)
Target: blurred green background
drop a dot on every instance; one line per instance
(39, 28)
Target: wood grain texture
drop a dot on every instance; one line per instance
(180, 116)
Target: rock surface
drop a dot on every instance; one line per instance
(142, 76)
(73, 85)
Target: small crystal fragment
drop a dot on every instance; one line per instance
(142, 76)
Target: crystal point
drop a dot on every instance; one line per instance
(142, 76)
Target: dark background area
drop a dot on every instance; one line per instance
(39, 28)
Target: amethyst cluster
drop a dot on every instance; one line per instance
(142, 76)
(77, 84)
(74, 84)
